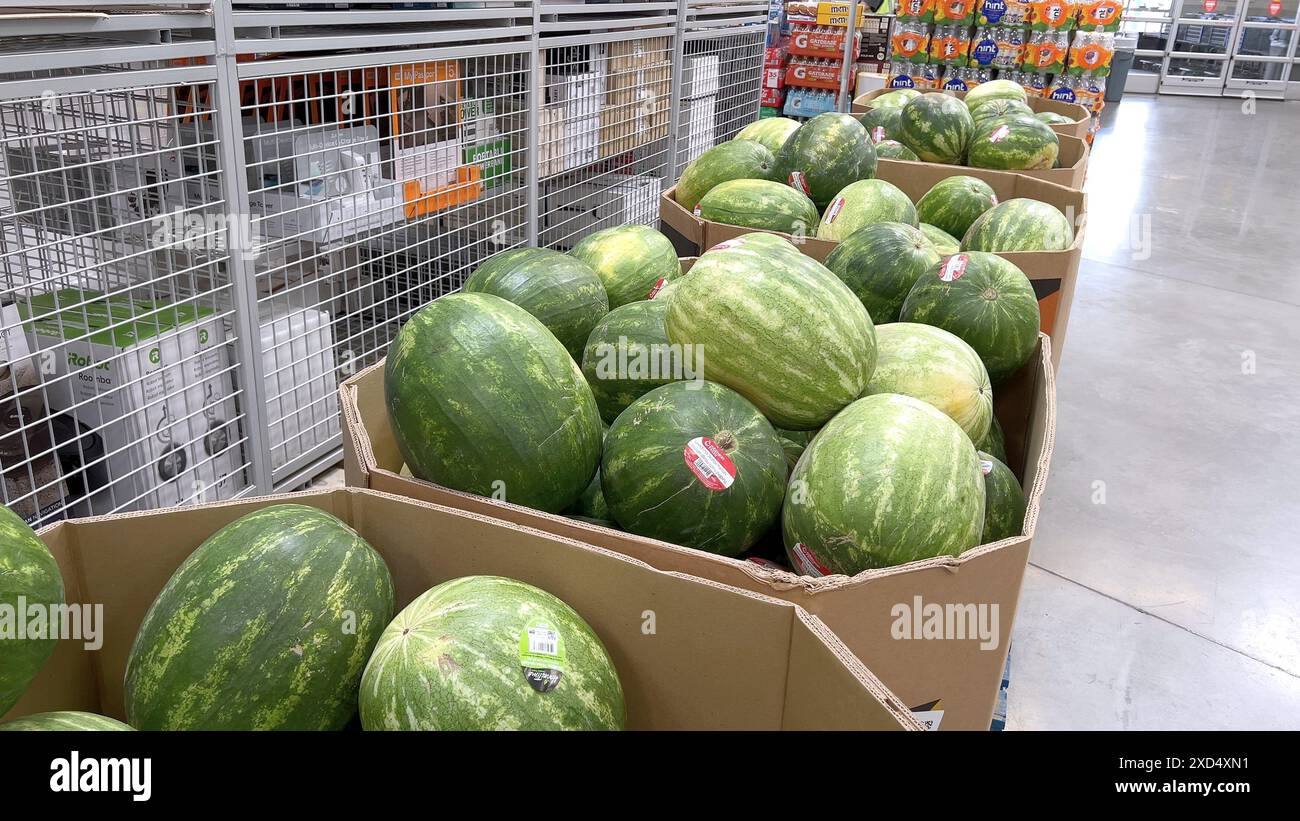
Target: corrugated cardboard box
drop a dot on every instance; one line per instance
(1053, 273)
(690, 654)
(639, 80)
(952, 683)
(1081, 118)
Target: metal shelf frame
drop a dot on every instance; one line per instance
(320, 173)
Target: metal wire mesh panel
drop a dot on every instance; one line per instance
(372, 190)
(722, 76)
(118, 383)
(603, 134)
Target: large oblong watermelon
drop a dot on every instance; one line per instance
(482, 398)
(27, 571)
(999, 109)
(897, 98)
(628, 355)
(937, 127)
(732, 160)
(953, 203)
(761, 204)
(1004, 501)
(985, 300)
(995, 90)
(946, 244)
(1018, 143)
(490, 653)
(882, 124)
(827, 153)
(894, 150)
(994, 442)
(769, 132)
(694, 463)
(778, 328)
(64, 721)
(880, 263)
(864, 203)
(1019, 224)
(563, 293)
(266, 626)
(631, 261)
(889, 480)
(932, 365)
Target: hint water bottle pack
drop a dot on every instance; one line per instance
(1046, 52)
(1091, 53)
(983, 47)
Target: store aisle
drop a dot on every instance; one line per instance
(1164, 590)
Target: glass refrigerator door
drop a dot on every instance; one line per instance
(1204, 33)
(1151, 21)
(1264, 48)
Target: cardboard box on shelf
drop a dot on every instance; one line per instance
(720, 658)
(484, 145)
(32, 484)
(1080, 117)
(297, 346)
(424, 138)
(700, 119)
(1052, 273)
(954, 682)
(700, 75)
(639, 91)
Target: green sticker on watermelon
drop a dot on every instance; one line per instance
(542, 656)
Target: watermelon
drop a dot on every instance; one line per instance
(794, 443)
(760, 204)
(694, 464)
(1052, 118)
(1017, 144)
(628, 355)
(27, 572)
(73, 720)
(563, 293)
(482, 398)
(985, 300)
(734, 160)
(266, 626)
(894, 150)
(1019, 224)
(937, 127)
(897, 98)
(954, 203)
(1004, 501)
(880, 263)
(932, 365)
(630, 260)
(994, 441)
(995, 90)
(943, 242)
(771, 132)
(864, 203)
(490, 653)
(591, 504)
(999, 109)
(882, 124)
(778, 328)
(889, 480)
(825, 154)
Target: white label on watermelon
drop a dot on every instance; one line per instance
(877, 133)
(806, 563)
(834, 210)
(711, 466)
(986, 467)
(656, 288)
(953, 267)
(999, 134)
(542, 656)
(797, 180)
(696, 212)
(993, 198)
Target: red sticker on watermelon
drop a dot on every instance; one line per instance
(697, 210)
(797, 180)
(1000, 133)
(993, 198)
(727, 243)
(806, 563)
(711, 466)
(654, 289)
(833, 210)
(877, 133)
(953, 267)
(766, 563)
(986, 467)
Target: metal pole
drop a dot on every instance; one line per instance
(675, 91)
(532, 193)
(844, 101)
(230, 141)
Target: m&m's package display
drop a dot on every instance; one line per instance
(1091, 53)
(915, 11)
(910, 43)
(1052, 15)
(1100, 15)
(955, 12)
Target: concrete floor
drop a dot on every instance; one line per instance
(1164, 587)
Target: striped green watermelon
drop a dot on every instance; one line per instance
(694, 463)
(591, 504)
(734, 160)
(942, 241)
(628, 355)
(1019, 224)
(1052, 118)
(794, 443)
(482, 398)
(889, 480)
(882, 124)
(490, 653)
(953, 203)
(266, 626)
(778, 328)
(937, 127)
(994, 441)
(631, 260)
(29, 577)
(932, 365)
(897, 98)
(828, 152)
(771, 132)
(1004, 501)
(864, 203)
(985, 300)
(563, 293)
(760, 204)
(880, 263)
(65, 720)
(894, 150)
(1015, 144)
(999, 109)
(995, 90)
